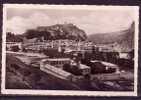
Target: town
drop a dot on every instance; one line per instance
(76, 62)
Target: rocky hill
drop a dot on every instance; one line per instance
(58, 31)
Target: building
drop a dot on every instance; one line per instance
(58, 62)
(124, 55)
(9, 45)
(56, 71)
(62, 44)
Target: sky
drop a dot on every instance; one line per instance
(18, 20)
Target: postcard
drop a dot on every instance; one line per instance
(70, 50)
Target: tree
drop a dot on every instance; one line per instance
(15, 48)
(31, 34)
(67, 67)
(11, 37)
(131, 54)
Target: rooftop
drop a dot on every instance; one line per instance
(82, 66)
(58, 59)
(105, 63)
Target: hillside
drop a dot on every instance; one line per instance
(23, 76)
(124, 39)
(127, 41)
(58, 31)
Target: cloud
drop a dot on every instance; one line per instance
(95, 22)
(40, 19)
(17, 25)
(101, 22)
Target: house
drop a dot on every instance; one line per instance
(124, 55)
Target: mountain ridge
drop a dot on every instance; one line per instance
(124, 39)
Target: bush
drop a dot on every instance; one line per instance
(97, 67)
(15, 48)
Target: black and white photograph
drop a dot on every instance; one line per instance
(81, 50)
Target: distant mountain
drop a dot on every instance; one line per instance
(58, 31)
(124, 39)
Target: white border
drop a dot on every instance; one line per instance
(68, 92)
